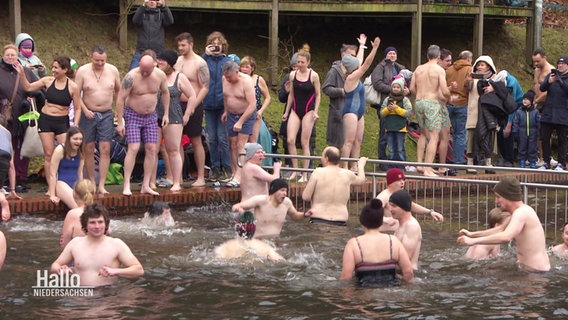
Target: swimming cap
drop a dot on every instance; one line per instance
(234, 58)
(250, 149)
(509, 188)
(245, 226)
(394, 174)
(350, 63)
(276, 185)
(402, 199)
(294, 59)
(157, 208)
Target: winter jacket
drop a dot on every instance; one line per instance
(31, 61)
(7, 81)
(214, 98)
(381, 77)
(555, 109)
(151, 23)
(458, 72)
(395, 121)
(333, 87)
(526, 122)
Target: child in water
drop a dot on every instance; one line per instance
(497, 217)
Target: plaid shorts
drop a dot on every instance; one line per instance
(141, 127)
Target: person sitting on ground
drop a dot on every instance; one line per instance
(329, 188)
(409, 231)
(497, 217)
(67, 165)
(561, 250)
(244, 243)
(83, 196)
(367, 255)
(271, 210)
(255, 180)
(97, 257)
(159, 214)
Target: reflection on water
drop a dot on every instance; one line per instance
(183, 281)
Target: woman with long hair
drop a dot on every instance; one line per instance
(67, 165)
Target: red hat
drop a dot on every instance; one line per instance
(394, 174)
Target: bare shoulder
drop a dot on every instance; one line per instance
(384, 196)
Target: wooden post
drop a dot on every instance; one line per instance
(123, 24)
(416, 38)
(15, 8)
(478, 31)
(273, 44)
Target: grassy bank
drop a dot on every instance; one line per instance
(61, 27)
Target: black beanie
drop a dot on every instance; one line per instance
(509, 188)
(276, 185)
(402, 199)
(169, 56)
(529, 95)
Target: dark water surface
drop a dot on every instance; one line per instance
(183, 281)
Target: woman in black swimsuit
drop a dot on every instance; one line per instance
(375, 256)
(54, 120)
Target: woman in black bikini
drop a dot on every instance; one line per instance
(374, 256)
(54, 120)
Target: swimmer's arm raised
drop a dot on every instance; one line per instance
(360, 178)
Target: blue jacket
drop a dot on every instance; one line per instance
(214, 98)
(555, 109)
(526, 122)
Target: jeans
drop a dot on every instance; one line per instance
(458, 118)
(395, 145)
(217, 139)
(135, 60)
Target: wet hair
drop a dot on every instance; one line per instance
(230, 66)
(9, 46)
(157, 208)
(539, 52)
(497, 215)
(99, 48)
(65, 63)
(371, 216)
(184, 36)
(332, 154)
(433, 51)
(250, 61)
(67, 146)
(305, 54)
(345, 47)
(84, 190)
(94, 210)
(218, 35)
(444, 53)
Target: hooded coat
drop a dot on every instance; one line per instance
(31, 61)
(333, 87)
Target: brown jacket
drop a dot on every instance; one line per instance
(458, 72)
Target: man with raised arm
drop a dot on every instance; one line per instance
(524, 227)
(329, 189)
(99, 82)
(98, 259)
(197, 72)
(136, 103)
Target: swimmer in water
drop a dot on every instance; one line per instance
(83, 195)
(497, 217)
(561, 250)
(99, 259)
(244, 243)
(159, 214)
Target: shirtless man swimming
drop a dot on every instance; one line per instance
(97, 257)
(329, 188)
(429, 86)
(409, 231)
(395, 182)
(197, 72)
(136, 103)
(561, 250)
(524, 226)
(99, 82)
(270, 210)
(240, 113)
(254, 179)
